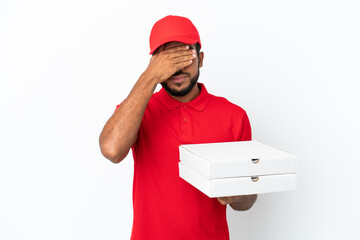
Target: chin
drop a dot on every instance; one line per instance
(179, 86)
(181, 89)
(178, 91)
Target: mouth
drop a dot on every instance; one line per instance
(178, 78)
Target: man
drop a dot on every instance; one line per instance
(154, 125)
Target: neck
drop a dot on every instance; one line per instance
(195, 91)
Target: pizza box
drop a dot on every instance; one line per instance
(236, 159)
(235, 186)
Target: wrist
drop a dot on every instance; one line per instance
(152, 76)
(149, 79)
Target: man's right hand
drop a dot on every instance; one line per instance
(166, 62)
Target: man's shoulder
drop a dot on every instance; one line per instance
(155, 95)
(224, 103)
(157, 101)
(155, 98)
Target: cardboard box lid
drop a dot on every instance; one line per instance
(223, 187)
(236, 159)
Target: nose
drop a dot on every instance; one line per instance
(178, 72)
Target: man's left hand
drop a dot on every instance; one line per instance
(243, 202)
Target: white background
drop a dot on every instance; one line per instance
(65, 65)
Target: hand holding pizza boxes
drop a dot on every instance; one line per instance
(237, 168)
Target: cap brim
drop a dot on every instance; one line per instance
(183, 39)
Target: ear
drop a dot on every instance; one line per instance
(201, 59)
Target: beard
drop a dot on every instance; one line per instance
(184, 91)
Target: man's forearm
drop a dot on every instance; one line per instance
(120, 131)
(244, 203)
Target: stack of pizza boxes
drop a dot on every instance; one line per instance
(237, 168)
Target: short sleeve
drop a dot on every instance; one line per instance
(245, 134)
